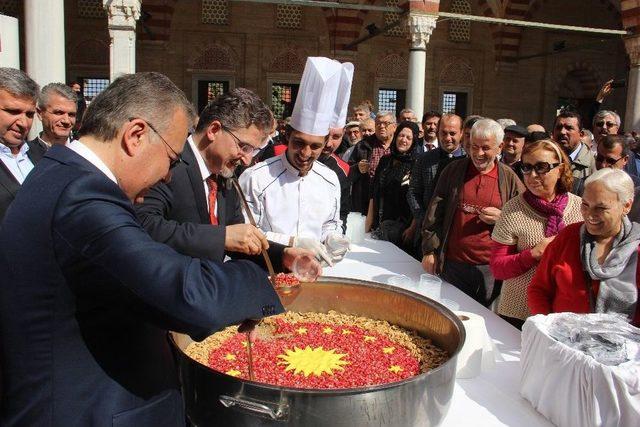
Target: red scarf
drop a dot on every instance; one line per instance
(553, 211)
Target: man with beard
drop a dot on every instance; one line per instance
(57, 107)
(466, 203)
(567, 132)
(18, 93)
(294, 199)
(341, 168)
(198, 212)
(430, 121)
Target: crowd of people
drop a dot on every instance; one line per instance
(141, 203)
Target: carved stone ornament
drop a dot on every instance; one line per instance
(632, 46)
(420, 29)
(122, 13)
(392, 66)
(457, 72)
(287, 61)
(214, 57)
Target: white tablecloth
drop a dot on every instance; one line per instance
(491, 399)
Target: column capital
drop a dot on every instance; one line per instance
(632, 46)
(122, 13)
(421, 27)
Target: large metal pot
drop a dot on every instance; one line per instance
(215, 399)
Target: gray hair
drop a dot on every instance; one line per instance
(600, 115)
(58, 89)
(237, 109)
(487, 129)
(385, 114)
(18, 83)
(150, 96)
(588, 134)
(407, 110)
(615, 180)
(506, 122)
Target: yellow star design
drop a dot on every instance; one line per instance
(368, 338)
(301, 331)
(388, 350)
(346, 332)
(327, 330)
(230, 356)
(245, 343)
(395, 369)
(316, 361)
(233, 372)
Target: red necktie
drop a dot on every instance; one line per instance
(213, 193)
(429, 146)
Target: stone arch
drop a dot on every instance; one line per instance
(214, 57)
(579, 77)
(287, 61)
(392, 66)
(457, 72)
(90, 52)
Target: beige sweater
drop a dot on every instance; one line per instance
(522, 226)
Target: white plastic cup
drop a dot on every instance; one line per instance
(355, 227)
(430, 286)
(400, 281)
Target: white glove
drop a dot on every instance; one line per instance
(337, 246)
(314, 246)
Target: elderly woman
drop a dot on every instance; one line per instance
(593, 266)
(529, 222)
(389, 210)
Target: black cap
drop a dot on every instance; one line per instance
(518, 130)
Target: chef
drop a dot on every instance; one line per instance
(294, 198)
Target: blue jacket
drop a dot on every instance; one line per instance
(87, 297)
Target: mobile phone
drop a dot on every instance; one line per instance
(619, 83)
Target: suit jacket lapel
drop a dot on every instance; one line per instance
(193, 171)
(7, 180)
(36, 151)
(221, 200)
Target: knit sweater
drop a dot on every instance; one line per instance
(523, 227)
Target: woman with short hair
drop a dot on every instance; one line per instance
(593, 266)
(529, 222)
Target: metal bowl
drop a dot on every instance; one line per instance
(213, 398)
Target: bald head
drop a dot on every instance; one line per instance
(450, 132)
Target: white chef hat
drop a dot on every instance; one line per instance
(323, 97)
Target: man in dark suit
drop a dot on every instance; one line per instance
(18, 94)
(84, 329)
(198, 213)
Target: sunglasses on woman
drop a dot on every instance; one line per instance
(541, 168)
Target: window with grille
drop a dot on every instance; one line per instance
(455, 102)
(459, 30)
(391, 100)
(91, 87)
(208, 90)
(215, 12)
(91, 9)
(288, 16)
(283, 98)
(399, 30)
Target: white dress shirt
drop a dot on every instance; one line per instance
(91, 157)
(285, 204)
(19, 165)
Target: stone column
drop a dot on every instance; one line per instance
(45, 47)
(632, 114)
(9, 42)
(122, 15)
(421, 27)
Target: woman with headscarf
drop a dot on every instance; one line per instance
(592, 266)
(529, 222)
(389, 213)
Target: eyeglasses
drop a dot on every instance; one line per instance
(608, 160)
(245, 147)
(541, 168)
(603, 123)
(173, 162)
(385, 124)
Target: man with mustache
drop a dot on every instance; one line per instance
(57, 108)
(567, 132)
(294, 198)
(18, 94)
(466, 203)
(198, 212)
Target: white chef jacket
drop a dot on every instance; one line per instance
(285, 204)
